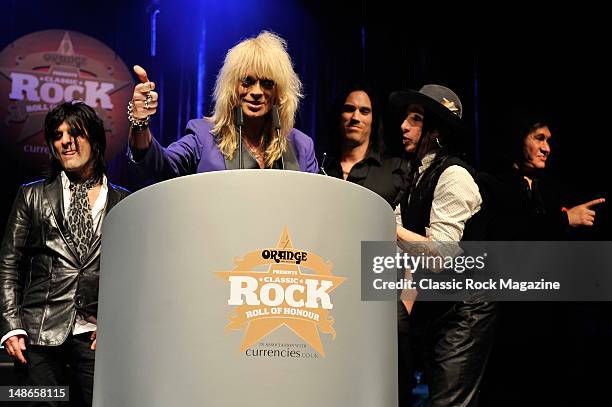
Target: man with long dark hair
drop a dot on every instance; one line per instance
(540, 346)
(357, 155)
(525, 203)
(50, 256)
(357, 150)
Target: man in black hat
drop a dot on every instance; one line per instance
(50, 257)
(438, 204)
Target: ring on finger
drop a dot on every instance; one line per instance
(148, 100)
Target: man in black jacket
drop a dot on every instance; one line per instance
(50, 256)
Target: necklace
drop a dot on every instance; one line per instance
(256, 151)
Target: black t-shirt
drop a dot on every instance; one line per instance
(385, 176)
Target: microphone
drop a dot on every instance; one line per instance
(238, 117)
(239, 122)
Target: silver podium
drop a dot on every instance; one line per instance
(242, 288)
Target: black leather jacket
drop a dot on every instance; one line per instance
(42, 280)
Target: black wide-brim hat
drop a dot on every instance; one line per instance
(436, 99)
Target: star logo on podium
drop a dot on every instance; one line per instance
(283, 295)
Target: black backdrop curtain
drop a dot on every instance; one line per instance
(498, 60)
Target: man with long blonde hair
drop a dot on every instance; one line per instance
(256, 96)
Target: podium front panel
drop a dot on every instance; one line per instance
(242, 288)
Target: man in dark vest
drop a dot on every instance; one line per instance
(437, 206)
(50, 257)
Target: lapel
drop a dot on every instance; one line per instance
(290, 161)
(112, 197)
(53, 194)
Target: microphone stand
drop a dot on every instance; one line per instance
(277, 126)
(239, 121)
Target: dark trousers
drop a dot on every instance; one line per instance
(405, 372)
(456, 343)
(70, 364)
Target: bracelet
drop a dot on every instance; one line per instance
(137, 124)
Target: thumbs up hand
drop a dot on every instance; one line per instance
(144, 99)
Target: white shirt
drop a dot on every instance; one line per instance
(97, 213)
(456, 199)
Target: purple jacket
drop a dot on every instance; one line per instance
(197, 152)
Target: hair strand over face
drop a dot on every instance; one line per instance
(82, 120)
